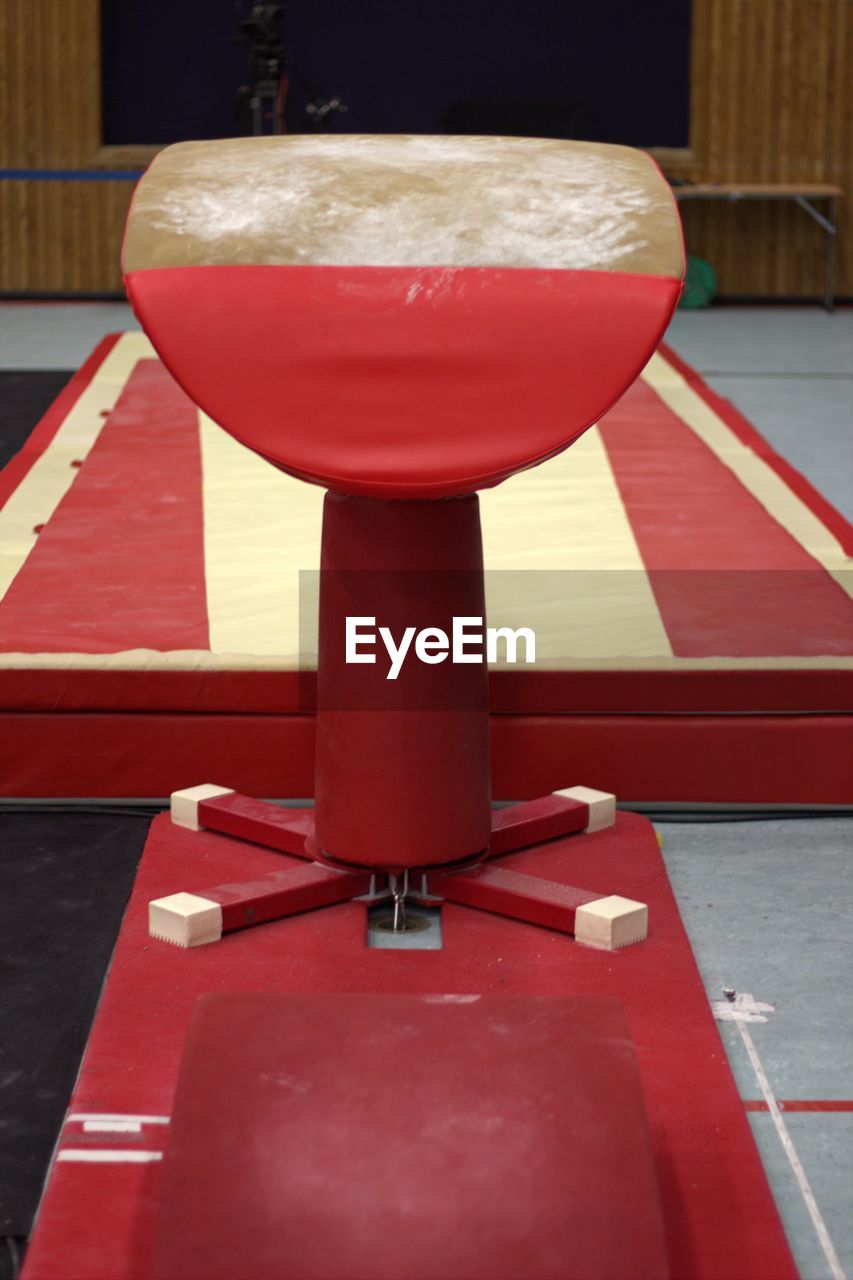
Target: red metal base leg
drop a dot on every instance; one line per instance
(229, 814)
(606, 922)
(561, 814)
(193, 919)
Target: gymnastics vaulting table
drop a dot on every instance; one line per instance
(398, 320)
(140, 648)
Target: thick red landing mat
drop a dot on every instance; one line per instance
(99, 1212)
(389, 1137)
(690, 593)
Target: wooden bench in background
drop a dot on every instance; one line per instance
(803, 194)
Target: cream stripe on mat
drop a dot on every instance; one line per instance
(579, 581)
(261, 527)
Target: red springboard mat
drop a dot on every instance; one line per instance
(98, 1218)
(389, 1137)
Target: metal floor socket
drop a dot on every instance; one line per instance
(422, 932)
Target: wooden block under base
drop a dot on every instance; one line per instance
(602, 805)
(186, 919)
(184, 804)
(611, 923)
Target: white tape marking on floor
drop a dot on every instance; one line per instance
(112, 1126)
(743, 1008)
(790, 1151)
(112, 1117)
(107, 1155)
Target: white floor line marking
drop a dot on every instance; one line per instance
(741, 1007)
(790, 1151)
(107, 1155)
(112, 1126)
(107, 1117)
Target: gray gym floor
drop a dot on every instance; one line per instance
(767, 906)
(767, 903)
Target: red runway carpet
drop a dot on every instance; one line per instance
(690, 594)
(99, 1211)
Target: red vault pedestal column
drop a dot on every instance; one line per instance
(402, 772)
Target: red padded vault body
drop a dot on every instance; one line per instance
(403, 316)
(402, 320)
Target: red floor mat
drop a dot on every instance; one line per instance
(97, 1217)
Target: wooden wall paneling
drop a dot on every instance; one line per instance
(13, 232)
(62, 237)
(49, 82)
(57, 224)
(840, 138)
(771, 100)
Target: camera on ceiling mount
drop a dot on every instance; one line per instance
(262, 32)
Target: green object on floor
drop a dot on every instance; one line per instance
(700, 283)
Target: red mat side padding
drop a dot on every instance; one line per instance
(747, 692)
(97, 1220)
(385, 1137)
(766, 759)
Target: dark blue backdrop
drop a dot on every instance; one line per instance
(172, 70)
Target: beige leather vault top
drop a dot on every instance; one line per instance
(397, 200)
